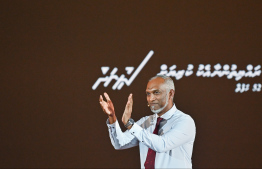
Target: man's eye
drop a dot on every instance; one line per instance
(156, 92)
(148, 94)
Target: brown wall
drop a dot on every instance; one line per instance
(52, 53)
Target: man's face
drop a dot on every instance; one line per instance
(157, 96)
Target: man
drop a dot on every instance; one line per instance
(165, 138)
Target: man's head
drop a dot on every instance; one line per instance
(160, 91)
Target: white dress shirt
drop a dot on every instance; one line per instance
(173, 145)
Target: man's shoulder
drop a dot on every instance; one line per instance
(179, 115)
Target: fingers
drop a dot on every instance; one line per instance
(100, 98)
(107, 97)
(104, 107)
(101, 102)
(107, 106)
(129, 100)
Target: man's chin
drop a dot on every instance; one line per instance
(154, 107)
(156, 110)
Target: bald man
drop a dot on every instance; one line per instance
(165, 138)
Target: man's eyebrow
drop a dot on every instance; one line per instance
(149, 90)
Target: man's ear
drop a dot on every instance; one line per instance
(172, 93)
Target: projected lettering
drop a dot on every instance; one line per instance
(226, 70)
(121, 80)
(205, 71)
(242, 87)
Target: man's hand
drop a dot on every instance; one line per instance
(108, 108)
(128, 109)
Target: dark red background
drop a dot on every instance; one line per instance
(52, 53)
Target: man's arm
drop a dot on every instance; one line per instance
(119, 139)
(181, 133)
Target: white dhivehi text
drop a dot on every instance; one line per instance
(120, 81)
(219, 71)
(206, 71)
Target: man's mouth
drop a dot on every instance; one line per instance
(153, 104)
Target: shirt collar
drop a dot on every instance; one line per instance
(169, 113)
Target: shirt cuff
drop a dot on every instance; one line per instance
(112, 127)
(135, 130)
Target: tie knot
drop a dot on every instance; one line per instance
(159, 120)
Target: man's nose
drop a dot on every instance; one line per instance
(152, 97)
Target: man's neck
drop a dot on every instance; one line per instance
(168, 107)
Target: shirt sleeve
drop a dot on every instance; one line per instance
(181, 132)
(120, 140)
